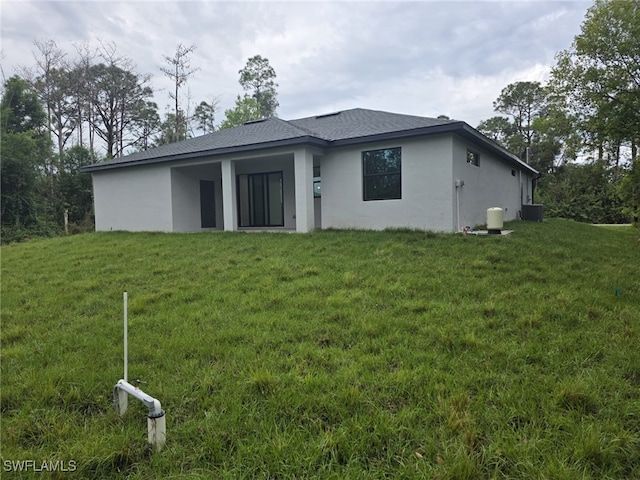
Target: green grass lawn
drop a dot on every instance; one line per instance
(337, 354)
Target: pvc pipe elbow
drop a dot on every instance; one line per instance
(156, 411)
(153, 404)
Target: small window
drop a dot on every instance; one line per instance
(513, 173)
(473, 158)
(381, 174)
(317, 193)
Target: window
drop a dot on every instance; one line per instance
(473, 158)
(381, 174)
(317, 190)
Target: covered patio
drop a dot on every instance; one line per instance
(253, 192)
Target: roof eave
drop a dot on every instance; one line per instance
(308, 140)
(460, 128)
(413, 132)
(475, 136)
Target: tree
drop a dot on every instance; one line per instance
(75, 188)
(21, 109)
(498, 129)
(246, 109)
(168, 132)
(523, 102)
(596, 84)
(53, 85)
(147, 124)
(26, 149)
(597, 80)
(584, 192)
(258, 77)
(18, 173)
(205, 115)
(179, 70)
(82, 94)
(50, 83)
(119, 98)
(59, 105)
(526, 131)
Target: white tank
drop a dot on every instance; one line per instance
(495, 220)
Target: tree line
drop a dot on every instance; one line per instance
(66, 113)
(581, 130)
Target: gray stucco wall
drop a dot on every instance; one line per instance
(491, 184)
(185, 196)
(167, 198)
(133, 199)
(426, 188)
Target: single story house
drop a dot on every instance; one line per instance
(359, 168)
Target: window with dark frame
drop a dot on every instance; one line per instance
(473, 158)
(381, 174)
(317, 182)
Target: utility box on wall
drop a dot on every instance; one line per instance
(533, 212)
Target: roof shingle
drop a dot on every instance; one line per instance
(336, 128)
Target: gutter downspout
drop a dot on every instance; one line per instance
(458, 184)
(458, 207)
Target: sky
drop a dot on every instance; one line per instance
(424, 58)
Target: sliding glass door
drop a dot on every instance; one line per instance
(260, 200)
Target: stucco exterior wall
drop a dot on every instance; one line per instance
(494, 183)
(167, 197)
(185, 196)
(426, 188)
(133, 199)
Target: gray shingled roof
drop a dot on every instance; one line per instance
(359, 123)
(334, 129)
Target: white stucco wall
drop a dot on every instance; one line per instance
(185, 196)
(167, 197)
(491, 184)
(134, 199)
(426, 188)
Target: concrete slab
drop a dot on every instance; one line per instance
(503, 233)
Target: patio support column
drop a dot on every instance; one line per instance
(229, 206)
(303, 169)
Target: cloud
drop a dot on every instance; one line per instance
(424, 58)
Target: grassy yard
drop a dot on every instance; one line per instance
(328, 355)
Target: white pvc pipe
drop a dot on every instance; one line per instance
(155, 409)
(157, 431)
(458, 206)
(126, 343)
(156, 421)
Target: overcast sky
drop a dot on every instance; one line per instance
(422, 58)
